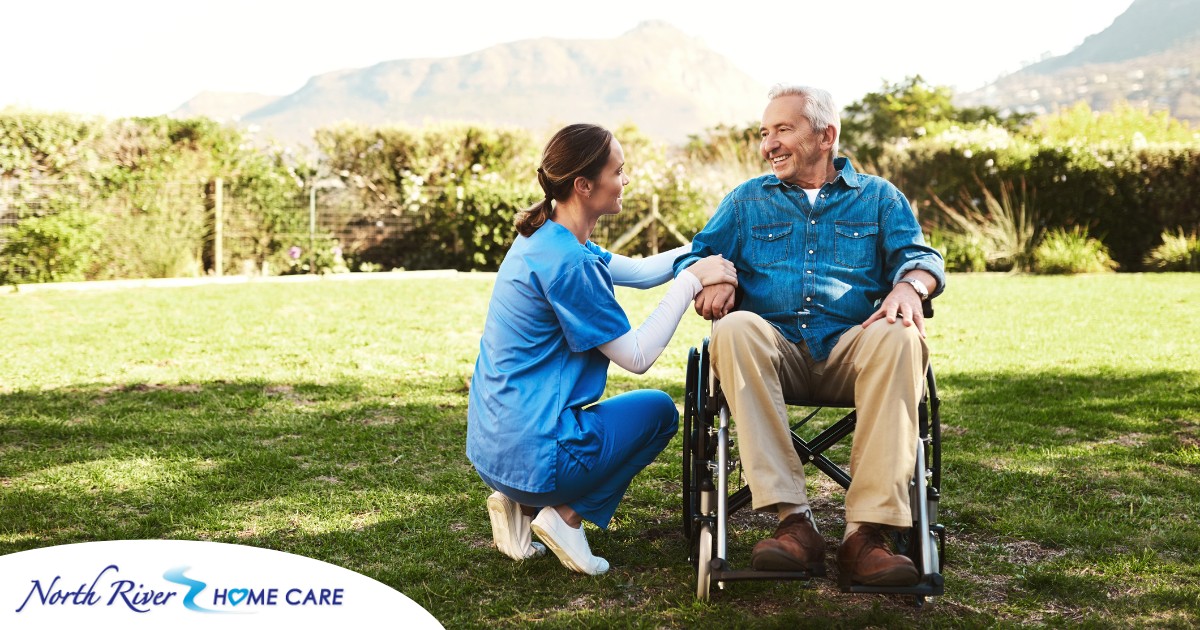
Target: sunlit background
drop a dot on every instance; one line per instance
(147, 57)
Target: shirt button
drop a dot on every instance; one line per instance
(814, 222)
(807, 299)
(811, 251)
(809, 271)
(773, 236)
(804, 325)
(856, 233)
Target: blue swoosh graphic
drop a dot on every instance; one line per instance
(195, 587)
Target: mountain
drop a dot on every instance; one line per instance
(1148, 56)
(223, 105)
(667, 83)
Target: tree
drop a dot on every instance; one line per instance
(905, 110)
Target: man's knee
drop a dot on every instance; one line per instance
(895, 341)
(738, 323)
(735, 333)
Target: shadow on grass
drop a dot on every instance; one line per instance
(1090, 471)
(1074, 459)
(220, 459)
(1057, 485)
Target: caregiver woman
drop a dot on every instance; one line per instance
(535, 431)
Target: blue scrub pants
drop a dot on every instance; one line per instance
(636, 426)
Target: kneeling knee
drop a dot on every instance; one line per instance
(667, 413)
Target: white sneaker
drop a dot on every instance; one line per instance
(510, 529)
(568, 543)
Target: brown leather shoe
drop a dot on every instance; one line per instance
(796, 546)
(864, 558)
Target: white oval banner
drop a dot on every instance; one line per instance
(191, 584)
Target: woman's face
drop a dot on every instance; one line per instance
(605, 193)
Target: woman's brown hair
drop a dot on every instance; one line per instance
(579, 150)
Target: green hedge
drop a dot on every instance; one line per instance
(1126, 195)
(459, 187)
(139, 193)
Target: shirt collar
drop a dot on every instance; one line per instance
(845, 173)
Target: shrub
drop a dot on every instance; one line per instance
(1122, 124)
(457, 187)
(266, 211)
(962, 252)
(1125, 179)
(52, 248)
(1003, 228)
(324, 257)
(906, 110)
(1177, 252)
(1071, 251)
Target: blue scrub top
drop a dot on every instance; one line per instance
(538, 365)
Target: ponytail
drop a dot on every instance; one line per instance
(529, 220)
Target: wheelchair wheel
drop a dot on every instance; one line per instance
(706, 543)
(690, 426)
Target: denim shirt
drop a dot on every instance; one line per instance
(814, 271)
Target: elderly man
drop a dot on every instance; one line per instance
(833, 269)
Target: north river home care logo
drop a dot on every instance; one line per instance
(189, 584)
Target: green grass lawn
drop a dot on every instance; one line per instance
(328, 419)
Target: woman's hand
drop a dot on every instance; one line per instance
(714, 270)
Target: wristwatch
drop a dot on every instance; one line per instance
(922, 290)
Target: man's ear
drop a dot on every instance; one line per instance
(828, 137)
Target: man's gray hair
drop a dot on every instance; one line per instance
(819, 108)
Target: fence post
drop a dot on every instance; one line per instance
(5, 202)
(654, 224)
(312, 227)
(219, 230)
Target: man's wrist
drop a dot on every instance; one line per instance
(918, 286)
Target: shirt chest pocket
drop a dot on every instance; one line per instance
(769, 243)
(856, 244)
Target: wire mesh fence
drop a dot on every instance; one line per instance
(191, 228)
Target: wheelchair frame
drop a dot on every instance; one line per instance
(707, 503)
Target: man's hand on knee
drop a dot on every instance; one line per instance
(901, 304)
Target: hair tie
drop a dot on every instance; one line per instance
(543, 181)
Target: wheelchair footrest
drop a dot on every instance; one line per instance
(930, 585)
(722, 573)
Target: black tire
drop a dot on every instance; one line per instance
(690, 424)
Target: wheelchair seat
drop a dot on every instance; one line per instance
(708, 499)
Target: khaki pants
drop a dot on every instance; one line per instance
(880, 370)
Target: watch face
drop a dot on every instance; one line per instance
(920, 287)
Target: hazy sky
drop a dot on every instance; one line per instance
(146, 57)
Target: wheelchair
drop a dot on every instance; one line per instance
(708, 502)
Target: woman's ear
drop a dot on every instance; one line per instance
(583, 186)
